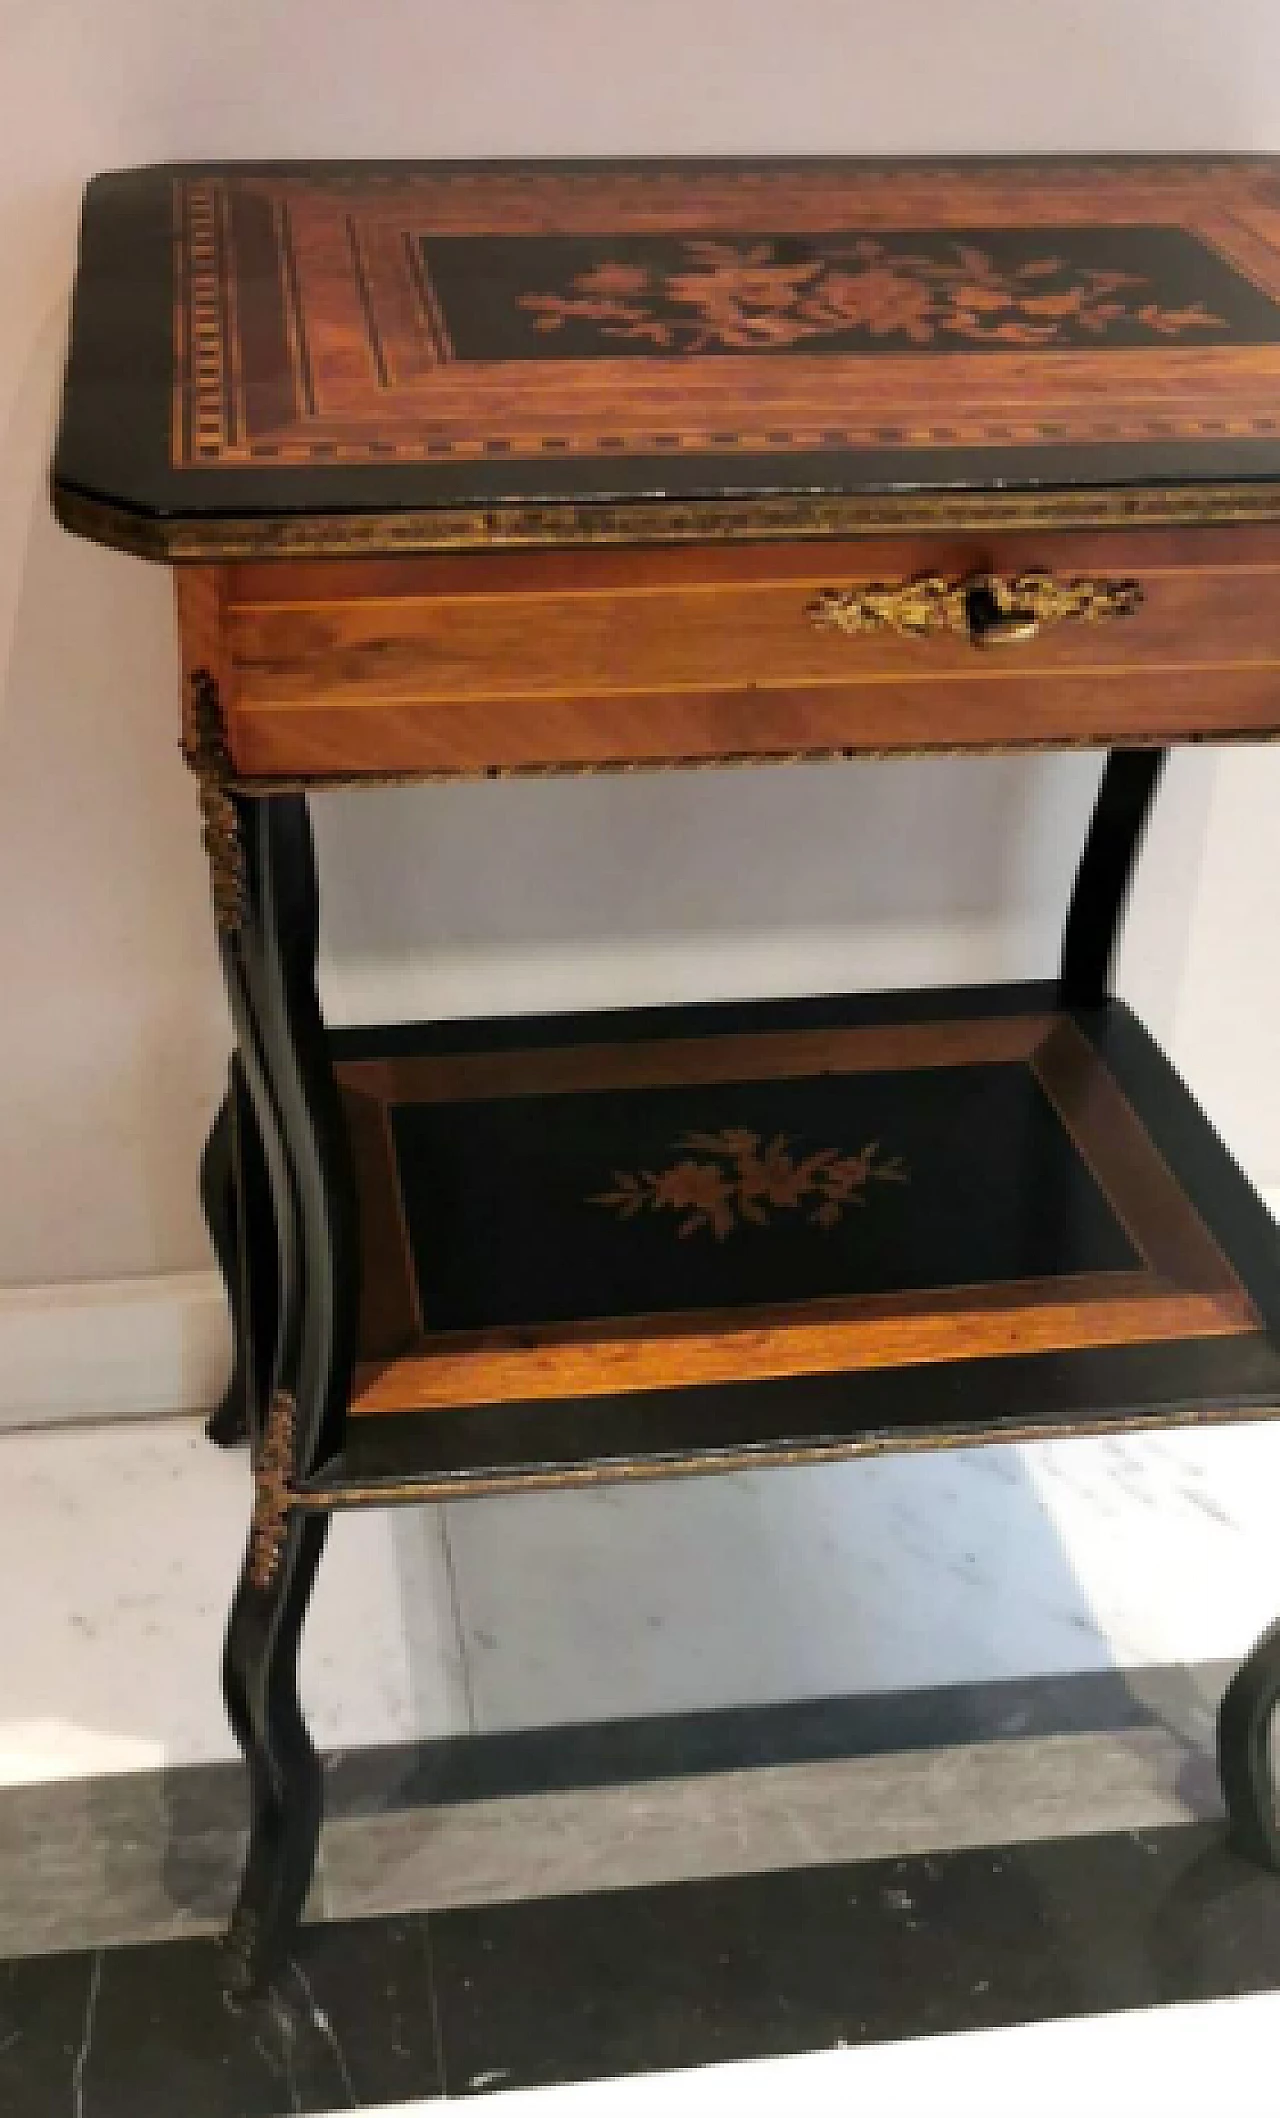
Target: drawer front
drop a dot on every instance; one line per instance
(510, 662)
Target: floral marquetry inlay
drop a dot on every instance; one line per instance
(730, 296)
(725, 1180)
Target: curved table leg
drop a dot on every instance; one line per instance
(268, 952)
(230, 1422)
(1244, 1752)
(1128, 789)
(1095, 917)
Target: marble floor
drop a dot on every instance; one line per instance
(722, 1776)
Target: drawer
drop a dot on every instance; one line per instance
(511, 661)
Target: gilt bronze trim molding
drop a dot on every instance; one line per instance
(328, 1498)
(386, 534)
(204, 746)
(272, 1475)
(258, 789)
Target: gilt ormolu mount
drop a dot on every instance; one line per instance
(475, 470)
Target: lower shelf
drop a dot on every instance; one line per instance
(622, 1246)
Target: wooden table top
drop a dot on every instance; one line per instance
(375, 358)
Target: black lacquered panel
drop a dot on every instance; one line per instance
(530, 1209)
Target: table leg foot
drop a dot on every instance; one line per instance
(269, 952)
(1244, 1752)
(230, 1422)
(261, 1692)
(227, 1425)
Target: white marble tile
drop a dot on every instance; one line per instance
(1169, 2062)
(118, 1559)
(906, 1571)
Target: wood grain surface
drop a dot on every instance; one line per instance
(543, 661)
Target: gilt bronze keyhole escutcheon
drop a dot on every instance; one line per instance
(987, 609)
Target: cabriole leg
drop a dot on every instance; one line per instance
(1244, 1752)
(1098, 901)
(268, 918)
(236, 1195)
(230, 1422)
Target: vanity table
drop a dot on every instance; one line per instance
(472, 470)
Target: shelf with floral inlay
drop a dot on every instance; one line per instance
(636, 1245)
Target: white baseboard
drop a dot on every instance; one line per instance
(120, 1349)
(112, 1349)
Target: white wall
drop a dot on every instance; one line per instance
(113, 1031)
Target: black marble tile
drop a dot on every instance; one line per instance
(44, 2005)
(149, 2032)
(364, 1991)
(607, 1984)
